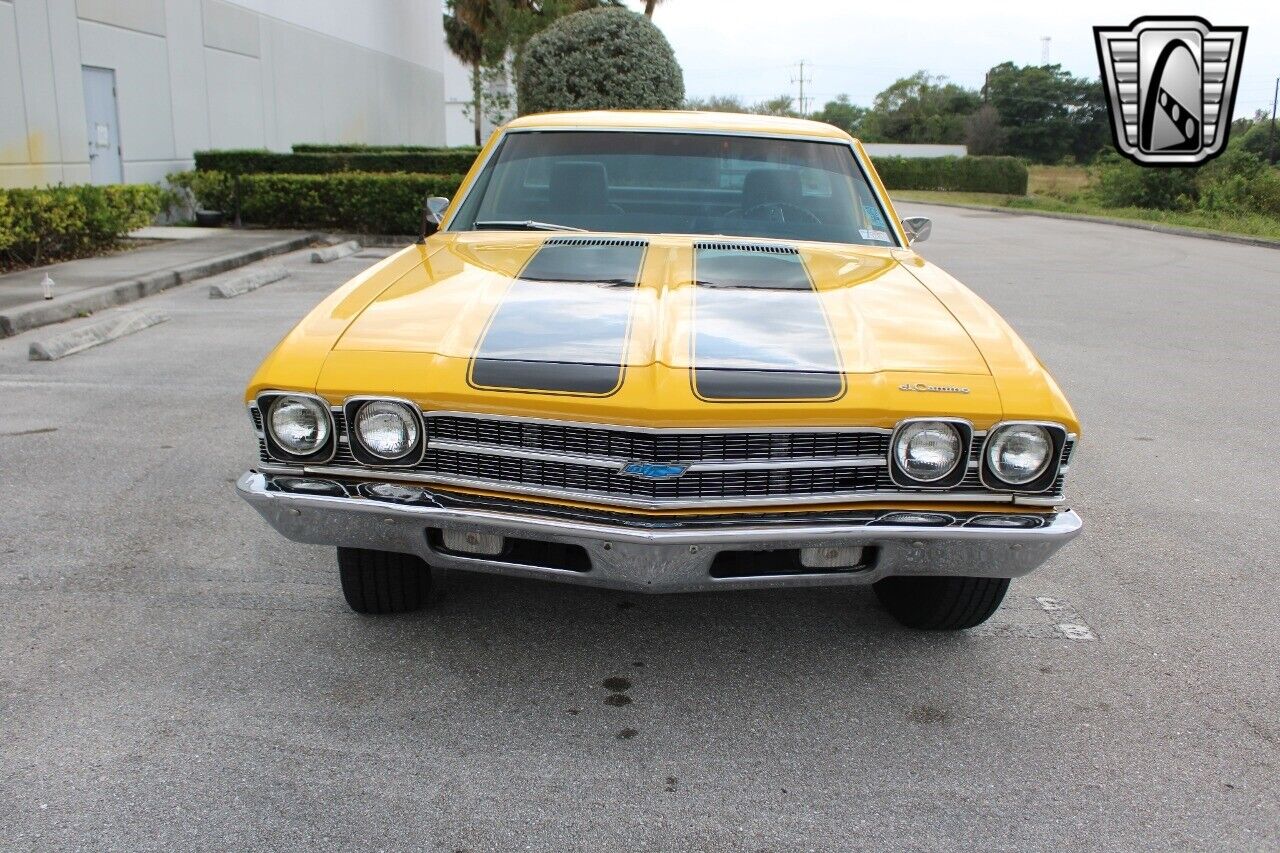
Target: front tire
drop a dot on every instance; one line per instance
(941, 603)
(382, 582)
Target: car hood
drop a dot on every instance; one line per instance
(664, 327)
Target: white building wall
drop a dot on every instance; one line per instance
(195, 74)
(913, 149)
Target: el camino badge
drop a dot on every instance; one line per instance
(653, 470)
(937, 389)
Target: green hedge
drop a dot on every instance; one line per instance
(349, 201)
(351, 148)
(55, 223)
(955, 174)
(249, 162)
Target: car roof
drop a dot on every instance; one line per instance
(680, 120)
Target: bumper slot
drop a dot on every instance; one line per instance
(780, 564)
(557, 556)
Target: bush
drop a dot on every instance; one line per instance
(1239, 181)
(955, 174)
(601, 59)
(349, 201)
(354, 148)
(249, 162)
(1121, 183)
(56, 223)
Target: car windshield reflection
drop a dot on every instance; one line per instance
(676, 183)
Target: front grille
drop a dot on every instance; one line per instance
(606, 482)
(523, 457)
(666, 447)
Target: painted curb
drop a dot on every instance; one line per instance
(332, 253)
(1139, 224)
(243, 284)
(36, 314)
(101, 331)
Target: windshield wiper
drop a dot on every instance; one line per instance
(524, 225)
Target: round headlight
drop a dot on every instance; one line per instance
(387, 430)
(927, 450)
(1020, 453)
(300, 425)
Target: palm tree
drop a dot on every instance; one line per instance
(466, 26)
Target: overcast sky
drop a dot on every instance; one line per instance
(751, 48)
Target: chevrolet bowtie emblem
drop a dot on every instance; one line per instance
(653, 470)
(1171, 86)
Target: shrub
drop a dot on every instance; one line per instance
(1239, 181)
(1121, 183)
(601, 59)
(211, 190)
(55, 223)
(957, 174)
(349, 201)
(355, 148)
(248, 162)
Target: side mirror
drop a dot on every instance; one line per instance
(432, 214)
(437, 205)
(918, 229)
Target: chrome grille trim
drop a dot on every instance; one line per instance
(616, 462)
(706, 503)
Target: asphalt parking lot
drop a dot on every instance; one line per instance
(174, 675)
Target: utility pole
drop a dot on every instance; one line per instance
(801, 79)
(1271, 137)
(1045, 41)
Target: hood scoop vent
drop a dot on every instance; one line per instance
(764, 248)
(596, 241)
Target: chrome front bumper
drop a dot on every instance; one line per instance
(672, 557)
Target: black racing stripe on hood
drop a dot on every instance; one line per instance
(563, 326)
(760, 332)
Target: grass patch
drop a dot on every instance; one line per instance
(1058, 181)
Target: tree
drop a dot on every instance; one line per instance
(779, 106)
(599, 59)
(843, 114)
(921, 108)
(717, 104)
(1047, 113)
(649, 6)
(983, 133)
(488, 36)
(466, 33)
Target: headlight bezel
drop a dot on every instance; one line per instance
(266, 402)
(1045, 480)
(351, 408)
(954, 476)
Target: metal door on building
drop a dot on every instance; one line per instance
(101, 118)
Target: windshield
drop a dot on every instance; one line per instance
(676, 183)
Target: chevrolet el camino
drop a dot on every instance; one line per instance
(666, 352)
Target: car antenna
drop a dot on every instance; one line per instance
(426, 219)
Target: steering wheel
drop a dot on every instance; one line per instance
(782, 208)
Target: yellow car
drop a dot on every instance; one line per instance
(663, 351)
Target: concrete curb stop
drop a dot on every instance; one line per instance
(104, 330)
(243, 284)
(36, 314)
(332, 253)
